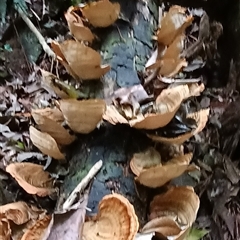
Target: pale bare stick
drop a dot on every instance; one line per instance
(82, 185)
(38, 35)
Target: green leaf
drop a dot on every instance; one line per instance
(20, 145)
(196, 234)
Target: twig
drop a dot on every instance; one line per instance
(82, 185)
(38, 35)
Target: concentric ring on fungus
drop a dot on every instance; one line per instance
(116, 220)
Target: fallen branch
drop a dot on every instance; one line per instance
(82, 185)
(38, 35)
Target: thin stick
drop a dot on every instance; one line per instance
(82, 185)
(38, 35)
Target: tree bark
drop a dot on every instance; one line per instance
(126, 46)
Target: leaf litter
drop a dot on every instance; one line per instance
(154, 107)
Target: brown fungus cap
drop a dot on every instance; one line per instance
(82, 116)
(116, 220)
(39, 183)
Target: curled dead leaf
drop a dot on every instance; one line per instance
(180, 204)
(116, 219)
(18, 212)
(82, 116)
(201, 119)
(144, 160)
(173, 24)
(113, 116)
(76, 27)
(45, 143)
(39, 183)
(5, 233)
(40, 230)
(159, 175)
(101, 13)
(54, 129)
(82, 62)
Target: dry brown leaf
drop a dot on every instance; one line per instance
(201, 119)
(18, 212)
(5, 232)
(82, 62)
(76, 27)
(40, 230)
(179, 203)
(113, 116)
(143, 160)
(102, 13)
(165, 225)
(173, 24)
(45, 143)
(159, 175)
(39, 183)
(54, 129)
(116, 219)
(82, 116)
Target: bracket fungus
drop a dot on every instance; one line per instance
(201, 118)
(76, 27)
(18, 212)
(101, 13)
(39, 183)
(160, 174)
(40, 230)
(173, 24)
(116, 220)
(5, 233)
(45, 143)
(164, 108)
(82, 116)
(144, 160)
(53, 128)
(82, 62)
(173, 212)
